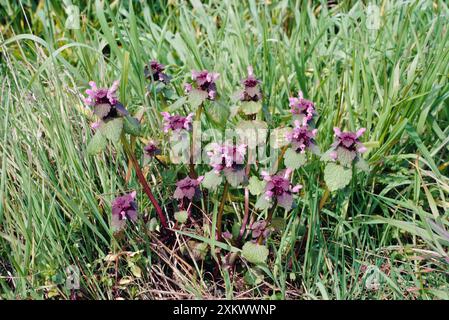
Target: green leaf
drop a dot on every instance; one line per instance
(278, 223)
(136, 271)
(345, 157)
(196, 98)
(181, 216)
(211, 180)
(255, 253)
(256, 186)
(102, 110)
(251, 124)
(131, 126)
(218, 112)
(293, 159)
(112, 130)
(96, 144)
(325, 157)
(262, 203)
(153, 224)
(362, 165)
(336, 176)
(250, 107)
(236, 230)
(199, 249)
(177, 104)
(253, 277)
(235, 178)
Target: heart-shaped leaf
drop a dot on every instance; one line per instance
(211, 180)
(250, 107)
(181, 216)
(97, 143)
(336, 176)
(218, 112)
(131, 126)
(362, 165)
(196, 98)
(102, 110)
(293, 159)
(256, 186)
(112, 129)
(235, 177)
(177, 104)
(255, 253)
(345, 156)
(262, 203)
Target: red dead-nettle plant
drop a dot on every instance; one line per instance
(114, 123)
(231, 167)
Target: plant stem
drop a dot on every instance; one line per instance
(144, 183)
(246, 215)
(192, 172)
(220, 210)
(268, 220)
(271, 211)
(278, 162)
(324, 198)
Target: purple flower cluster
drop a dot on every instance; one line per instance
(124, 208)
(151, 149)
(280, 189)
(347, 142)
(251, 91)
(188, 188)
(260, 228)
(97, 95)
(155, 71)
(176, 123)
(104, 101)
(301, 137)
(303, 108)
(205, 81)
(226, 156)
(229, 159)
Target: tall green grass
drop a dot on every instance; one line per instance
(55, 200)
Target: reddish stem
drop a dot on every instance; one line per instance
(246, 215)
(144, 183)
(220, 210)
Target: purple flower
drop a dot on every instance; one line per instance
(260, 228)
(227, 235)
(151, 149)
(177, 123)
(205, 81)
(301, 107)
(251, 91)
(226, 155)
(301, 137)
(280, 189)
(188, 188)
(124, 208)
(229, 159)
(103, 95)
(104, 101)
(347, 142)
(155, 72)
